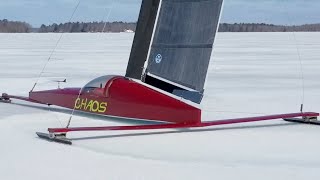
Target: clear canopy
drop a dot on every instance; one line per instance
(99, 82)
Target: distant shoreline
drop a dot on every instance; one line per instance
(7, 26)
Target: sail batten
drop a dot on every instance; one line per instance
(182, 46)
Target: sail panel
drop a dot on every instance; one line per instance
(142, 38)
(183, 41)
(179, 70)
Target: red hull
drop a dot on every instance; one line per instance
(122, 97)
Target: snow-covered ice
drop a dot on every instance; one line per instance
(250, 74)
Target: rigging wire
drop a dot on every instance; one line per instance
(51, 54)
(301, 69)
(108, 15)
(74, 108)
(54, 49)
(79, 94)
(302, 77)
(301, 72)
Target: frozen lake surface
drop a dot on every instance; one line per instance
(250, 74)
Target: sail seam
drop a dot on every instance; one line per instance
(182, 45)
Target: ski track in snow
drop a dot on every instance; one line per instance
(250, 74)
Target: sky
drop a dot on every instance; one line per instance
(37, 12)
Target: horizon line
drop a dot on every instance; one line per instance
(32, 26)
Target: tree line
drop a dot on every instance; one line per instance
(123, 26)
(78, 27)
(83, 27)
(262, 27)
(14, 27)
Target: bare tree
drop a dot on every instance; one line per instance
(14, 26)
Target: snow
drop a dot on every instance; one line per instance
(250, 74)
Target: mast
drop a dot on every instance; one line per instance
(142, 38)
